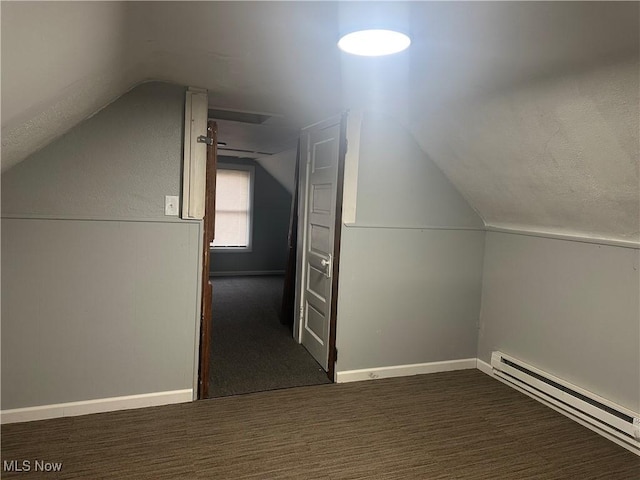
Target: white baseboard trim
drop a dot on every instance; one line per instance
(404, 370)
(247, 274)
(73, 409)
(484, 367)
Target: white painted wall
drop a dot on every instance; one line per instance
(99, 288)
(411, 264)
(569, 308)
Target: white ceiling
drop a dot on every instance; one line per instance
(530, 108)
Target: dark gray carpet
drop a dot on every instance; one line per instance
(251, 351)
(445, 426)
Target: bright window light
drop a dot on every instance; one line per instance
(234, 198)
(374, 43)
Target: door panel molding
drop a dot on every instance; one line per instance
(320, 186)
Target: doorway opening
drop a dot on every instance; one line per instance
(251, 350)
(270, 260)
(252, 346)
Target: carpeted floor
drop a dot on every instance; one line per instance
(445, 426)
(251, 351)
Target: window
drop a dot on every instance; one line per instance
(234, 198)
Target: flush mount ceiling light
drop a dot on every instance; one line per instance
(374, 43)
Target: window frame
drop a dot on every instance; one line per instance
(252, 174)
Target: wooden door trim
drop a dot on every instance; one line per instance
(207, 238)
(288, 309)
(333, 316)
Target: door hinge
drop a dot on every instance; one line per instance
(301, 313)
(335, 358)
(205, 139)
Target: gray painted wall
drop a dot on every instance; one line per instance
(408, 296)
(96, 309)
(282, 167)
(399, 186)
(271, 212)
(120, 163)
(411, 265)
(99, 288)
(569, 308)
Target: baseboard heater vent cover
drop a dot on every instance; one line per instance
(599, 413)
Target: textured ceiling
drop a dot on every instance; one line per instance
(530, 108)
(558, 155)
(61, 62)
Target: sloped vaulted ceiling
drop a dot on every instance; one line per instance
(549, 140)
(61, 62)
(531, 109)
(557, 155)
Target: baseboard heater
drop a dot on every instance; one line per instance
(613, 421)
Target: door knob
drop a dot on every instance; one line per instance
(326, 263)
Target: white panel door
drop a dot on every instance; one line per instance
(321, 143)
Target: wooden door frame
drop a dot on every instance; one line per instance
(287, 313)
(207, 237)
(337, 236)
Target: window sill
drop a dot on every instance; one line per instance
(231, 249)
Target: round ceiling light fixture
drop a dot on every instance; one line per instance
(374, 43)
